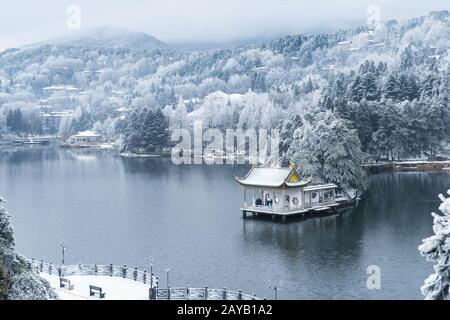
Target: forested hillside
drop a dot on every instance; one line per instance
(389, 84)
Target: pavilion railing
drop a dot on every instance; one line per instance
(155, 293)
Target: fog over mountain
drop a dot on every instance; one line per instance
(23, 22)
(110, 37)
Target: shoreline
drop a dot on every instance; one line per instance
(393, 165)
(408, 165)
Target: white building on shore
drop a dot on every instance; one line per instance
(85, 139)
(51, 121)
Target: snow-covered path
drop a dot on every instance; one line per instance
(116, 288)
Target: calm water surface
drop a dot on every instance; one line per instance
(113, 210)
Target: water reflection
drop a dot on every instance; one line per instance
(109, 209)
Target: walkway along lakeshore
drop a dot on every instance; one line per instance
(134, 274)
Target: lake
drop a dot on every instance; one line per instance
(108, 209)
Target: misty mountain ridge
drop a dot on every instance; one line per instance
(110, 37)
(113, 37)
(262, 37)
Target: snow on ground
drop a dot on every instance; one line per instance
(115, 288)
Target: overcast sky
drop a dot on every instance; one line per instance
(25, 21)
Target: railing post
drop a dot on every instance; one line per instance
(145, 276)
(41, 266)
(224, 294)
(206, 293)
(50, 268)
(111, 270)
(240, 295)
(95, 269)
(168, 293)
(124, 271)
(135, 274)
(152, 293)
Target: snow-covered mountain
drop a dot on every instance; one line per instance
(391, 83)
(110, 37)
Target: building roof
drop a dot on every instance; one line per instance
(272, 177)
(320, 187)
(87, 134)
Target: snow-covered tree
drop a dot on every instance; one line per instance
(18, 281)
(146, 130)
(437, 249)
(327, 150)
(179, 118)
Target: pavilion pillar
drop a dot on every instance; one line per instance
(273, 198)
(253, 201)
(245, 197)
(302, 194)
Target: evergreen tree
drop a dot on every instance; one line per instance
(156, 133)
(383, 141)
(362, 117)
(326, 149)
(392, 88)
(327, 100)
(357, 92)
(407, 58)
(437, 250)
(9, 120)
(434, 115)
(412, 90)
(429, 87)
(288, 128)
(83, 123)
(403, 87)
(308, 86)
(15, 121)
(147, 130)
(339, 86)
(132, 131)
(369, 87)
